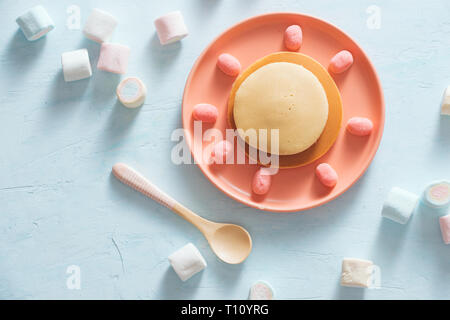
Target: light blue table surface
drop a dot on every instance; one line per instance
(60, 206)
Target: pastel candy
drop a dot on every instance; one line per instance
(222, 151)
(171, 28)
(437, 194)
(261, 290)
(35, 23)
(356, 272)
(341, 62)
(445, 106)
(76, 65)
(399, 205)
(187, 261)
(113, 58)
(262, 181)
(293, 38)
(99, 26)
(205, 112)
(326, 175)
(229, 65)
(131, 92)
(359, 126)
(445, 228)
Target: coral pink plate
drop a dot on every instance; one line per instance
(292, 189)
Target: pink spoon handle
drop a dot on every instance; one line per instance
(136, 181)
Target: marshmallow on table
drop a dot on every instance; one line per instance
(35, 23)
(99, 26)
(187, 261)
(131, 92)
(445, 228)
(437, 194)
(261, 290)
(171, 28)
(76, 65)
(113, 58)
(445, 107)
(399, 205)
(356, 272)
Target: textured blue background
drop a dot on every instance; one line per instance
(59, 205)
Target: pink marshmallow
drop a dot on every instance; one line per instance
(341, 62)
(445, 228)
(113, 58)
(171, 28)
(229, 64)
(327, 175)
(205, 112)
(221, 152)
(359, 126)
(293, 38)
(262, 181)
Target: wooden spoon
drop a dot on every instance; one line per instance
(230, 242)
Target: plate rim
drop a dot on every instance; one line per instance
(367, 163)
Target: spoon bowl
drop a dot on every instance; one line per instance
(231, 243)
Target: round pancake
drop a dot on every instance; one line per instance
(283, 96)
(333, 124)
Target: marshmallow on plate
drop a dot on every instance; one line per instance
(356, 273)
(261, 290)
(437, 194)
(76, 65)
(445, 228)
(187, 261)
(131, 92)
(171, 28)
(99, 26)
(445, 107)
(399, 205)
(113, 58)
(341, 62)
(35, 23)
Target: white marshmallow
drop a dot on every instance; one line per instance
(76, 65)
(35, 23)
(131, 92)
(171, 28)
(261, 290)
(356, 273)
(187, 261)
(445, 107)
(437, 194)
(99, 26)
(399, 205)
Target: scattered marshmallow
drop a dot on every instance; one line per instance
(99, 26)
(445, 107)
(437, 194)
(205, 112)
(262, 180)
(399, 205)
(221, 152)
(171, 28)
(76, 65)
(229, 65)
(356, 273)
(341, 62)
(445, 228)
(327, 175)
(131, 92)
(187, 261)
(35, 23)
(360, 126)
(113, 58)
(261, 290)
(293, 38)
